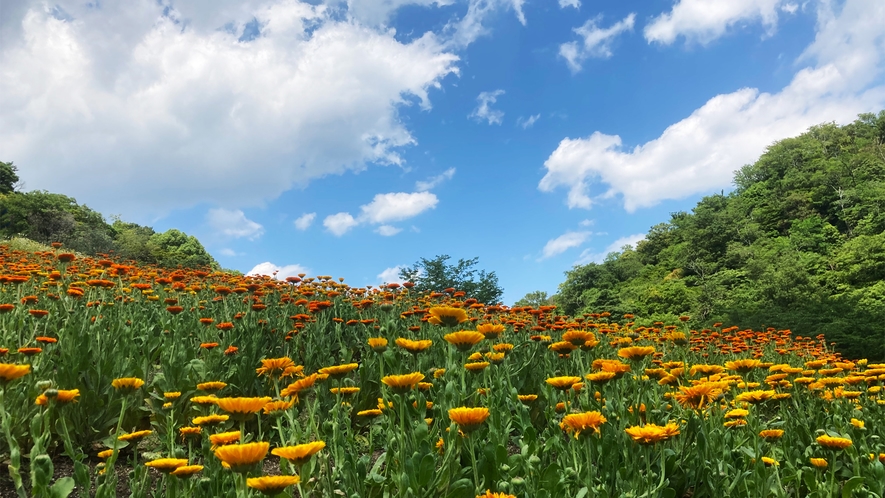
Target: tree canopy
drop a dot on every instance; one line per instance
(799, 243)
(436, 274)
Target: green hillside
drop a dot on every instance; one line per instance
(799, 244)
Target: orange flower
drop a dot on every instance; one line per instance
(300, 453)
(563, 383)
(166, 465)
(490, 330)
(754, 397)
(771, 434)
(300, 385)
(464, 340)
(651, 433)
(62, 396)
(742, 366)
(135, 436)
(837, 443)
(403, 383)
(272, 485)
(413, 347)
(700, 395)
(127, 385)
(186, 471)
(211, 386)
(38, 313)
(30, 351)
(445, 315)
(636, 353)
(242, 408)
(578, 422)
(46, 340)
(339, 371)
(241, 457)
(279, 406)
(278, 367)
(469, 419)
(600, 377)
(225, 326)
(223, 438)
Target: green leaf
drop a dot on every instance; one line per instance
(62, 488)
(582, 492)
(852, 484)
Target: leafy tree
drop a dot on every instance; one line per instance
(174, 247)
(535, 299)
(8, 177)
(436, 274)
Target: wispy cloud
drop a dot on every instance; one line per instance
(527, 123)
(484, 109)
(434, 181)
(595, 41)
(305, 220)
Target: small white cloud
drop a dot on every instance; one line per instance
(588, 256)
(790, 8)
(388, 230)
(305, 220)
(705, 21)
(278, 272)
(435, 181)
(569, 3)
(586, 223)
(484, 110)
(339, 223)
(527, 123)
(596, 41)
(563, 243)
(228, 252)
(390, 276)
(397, 206)
(233, 223)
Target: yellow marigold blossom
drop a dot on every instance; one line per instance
(12, 371)
(210, 420)
(276, 367)
(754, 397)
(464, 340)
(241, 408)
(378, 344)
(579, 422)
(424, 386)
(439, 372)
(738, 422)
(468, 419)
(600, 377)
(490, 330)
(857, 423)
(563, 383)
(105, 453)
(820, 463)
(445, 315)
(190, 432)
(278, 406)
(836, 443)
(413, 347)
(737, 413)
(204, 400)
(769, 462)
(771, 434)
(495, 358)
(172, 395)
(272, 485)
(700, 395)
(476, 366)
(526, 398)
(211, 386)
(636, 353)
(489, 494)
(369, 413)
(62, 396)
(300, 385)
(504, 347)
(562, 347)
(742, 366)
(127, 385)
(300, 453)
(403, 383)
(578, 337)
(186, 470)
(615, 366)
(706, 370)
(338, 371)
(241, 457)
(651, 433)
(344, 391)
(166, 465)
(135, 436)
(224, 438)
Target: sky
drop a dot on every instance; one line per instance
(353, 137)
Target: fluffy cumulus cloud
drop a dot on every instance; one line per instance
(701, 152)
(704, 21)
(390, 276)
(339, 223)
(435, 181)
(563, 243)
(224, 102)
(589, 256)
(384, 209)
(388, 230)
(304, 221)
(233, 223)
(484, 111)
(595, 41)
(278, 272)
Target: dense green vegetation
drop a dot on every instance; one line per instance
(46, 217)
(436, 274)
(799, 244)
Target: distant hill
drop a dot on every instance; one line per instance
(47, 217)
(799, 244)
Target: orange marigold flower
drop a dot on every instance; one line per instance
(579, 422)
(62, 396)
(135, 436)
(242, 408)
(300, 385)
(46, 340)
(445, 315)
(38, 313)
(209, 345)
(225, 326)
(166, 465)
(651, 433)
(211, 386)
(413, 347)
(742, 366)
(489, 494)
(490, 330)
(272, 485)
(699, 396)
(186, 471)
(464, 340)
(338, 371)
(30, 351)
(300, 453)
(241, 457)
(754, 397)
(771, 434)
(837, 443)
(223, 438)
(403, 383)
(274, 367)
(127, 384)
(820, 463)
(469, 419)
(563, 383)
(279, 406)
(636, 353)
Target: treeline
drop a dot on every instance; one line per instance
(46, 217)
(799, 244)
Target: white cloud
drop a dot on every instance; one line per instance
(268, 268)
(397, 206)
(226, 251)
(464, 31)
(390, 276)
(790, 8)
(700, 153)
(586, 223)
(563, 243)
(596, 41)
(527, 123)
(435, 181)
(588, 256)
(388, 230)
(484, 110)
(182, 112)
(705, 21)
(233, 223)
(569, 3)
(339, 223)
(305, 220)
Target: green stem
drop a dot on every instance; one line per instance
(14, 453)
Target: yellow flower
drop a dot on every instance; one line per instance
(737, 413)
(369, 413)
(242, 408)
(105, 453)
(211, 387)
(820, 463)
(445, 315)
(135, 436)
(300, 385)
(12, 371)
(166, 465)
(836, 443)
(754, 397)
(278, 406)
(563, 383)
(700, 395)
(600, 377)
(378, 344)
(857, 423)
(768, 461)
(186, 470)
(771, 434)
(338, 371)
(210, 420)
(224, 438)
(742, 366)
(413, 347)
(272, 485)
(126, 385)
(636, 353)
(190, 432)
(403, 383)
(464, 339)
(579, 422)
(526, 398)
(204, 400)
(489, 494)
(300, 453)
(477, 366)
(241, 457)
(62, 396)
(490, 330)
(468, 419)
(277, 367)
(651, 433)
(172, 395)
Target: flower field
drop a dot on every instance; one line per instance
(199, 383)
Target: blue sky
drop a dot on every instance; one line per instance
(352, 138)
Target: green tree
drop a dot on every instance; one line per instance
(436, 274)
(174, 247)
(8, 177)
(535, 299)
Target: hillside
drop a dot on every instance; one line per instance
(799, 243)
(47, 217)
